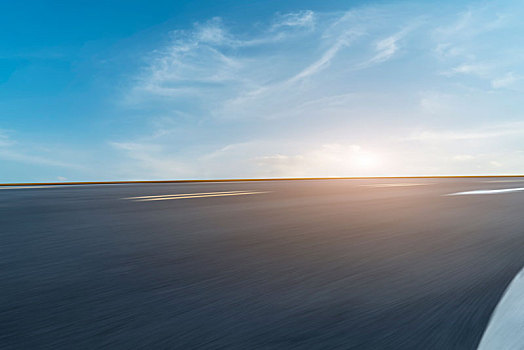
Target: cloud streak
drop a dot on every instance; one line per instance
(23, 152)
(229, 75)
(362, 77)
(494, 131)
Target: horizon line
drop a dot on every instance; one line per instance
(66, 183)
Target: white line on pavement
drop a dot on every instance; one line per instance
(397, 185)
(499, 181)
(24, 187)
(503, 190)
(194, 195)
(184, 194)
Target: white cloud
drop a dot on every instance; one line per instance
(387, 47)
(467, 68)
(149, 161)
(437, 103)
(305, 71)
(212, 32)
(492, 131)
(255, 159)
(4, 139)
(477, 20)
(459, 25)
(193, 63)
(323, 62)
(324, 160)
(17, 156)
(29, 153)
(479, 43)
(231, 75)
(295, 19)
(463, 157)
(505, 81)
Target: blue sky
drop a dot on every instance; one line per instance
(115, 90)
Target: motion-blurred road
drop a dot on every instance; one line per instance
(323, 264)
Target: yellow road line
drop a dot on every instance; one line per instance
(183, 194)
(196, 196)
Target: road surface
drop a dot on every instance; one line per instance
(323, 264)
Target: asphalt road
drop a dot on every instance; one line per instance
(325, 264)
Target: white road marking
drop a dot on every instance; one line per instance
(398, 185)
(24, 187)
(503, 190)
(499, 181)
(192, 195)
(504, 331)
(183, 194)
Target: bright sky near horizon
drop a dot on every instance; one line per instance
(118, 90)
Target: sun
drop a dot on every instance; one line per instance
(366, 160)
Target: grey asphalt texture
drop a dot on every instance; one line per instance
(313, 264)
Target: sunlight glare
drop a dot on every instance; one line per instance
(366, 160)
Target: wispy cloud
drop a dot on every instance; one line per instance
(324, 160)
(4, 139)
(323, 62)
(475, 21)
(259, 158)
(149, 161)
(309, 74)
(491, 131)
(294, 19)
(22, 152)
(387, 47)
(470, 68)
(423, 87)
(504, 81)
(229, 75)
(16, 156)
(468, 44)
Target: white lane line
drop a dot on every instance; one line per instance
(398, 185)
(198, 196)
(505, 328)
(195, 195)
(24, 187)
(183, 194)
(503, 190)
(499, 181)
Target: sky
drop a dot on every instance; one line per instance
(152, 90)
